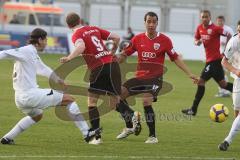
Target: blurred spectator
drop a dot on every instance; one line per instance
(220, 21)
(129, 35)
(14, 20)
(86, 23)
(223, 39)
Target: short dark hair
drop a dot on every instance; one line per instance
(221, 17)
(206, 11)
(73, 19)
(238, 22)
(36, 34)
(151, 14)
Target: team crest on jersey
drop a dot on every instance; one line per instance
(156, 46)
(209, 31)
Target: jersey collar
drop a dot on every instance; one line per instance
(33, 48)
(76, 28)
(158, 34)
(209, 24)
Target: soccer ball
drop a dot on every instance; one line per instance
(219, 113)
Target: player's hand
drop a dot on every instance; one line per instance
(198, 42)
(194, 78)
(64, 59)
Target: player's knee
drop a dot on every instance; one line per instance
(92, 101)
(124, 92)
(67, 99)
(147, 101)
(201, 82)
(222, 84)
(37, 118)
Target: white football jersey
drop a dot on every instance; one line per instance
(232, 52)
(223, 39)
(27, 66)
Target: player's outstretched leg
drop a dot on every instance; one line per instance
(92, 133)
(234, 130)
(223, 92)
(198, 96)
(223, 146)
(21, 126)
(150, 120)
(131, 118)
(78, 119)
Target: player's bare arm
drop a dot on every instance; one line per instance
(79, 49)
(184, 67)
(116, 39)
(229, 67)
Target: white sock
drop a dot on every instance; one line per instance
(235, 128)
(78, 118)
(22, 125)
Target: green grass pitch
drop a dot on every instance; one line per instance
(179, 137)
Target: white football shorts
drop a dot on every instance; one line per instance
(34, 101)
(236, 94)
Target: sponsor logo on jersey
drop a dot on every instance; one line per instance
(209, 31)
(101, 54)
(149, 55)
(156, 46)
(205, 37)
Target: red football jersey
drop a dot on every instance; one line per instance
(95, 53)
(151, 54)
(210, 37)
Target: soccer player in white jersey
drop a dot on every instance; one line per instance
(32, 100)
(231, 62)
(220, 21)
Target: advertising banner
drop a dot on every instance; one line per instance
(56, 44)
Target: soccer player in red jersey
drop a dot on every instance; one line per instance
(209, 35)
(151, 47)
(105, 77)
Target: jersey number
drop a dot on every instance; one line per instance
(97, 43)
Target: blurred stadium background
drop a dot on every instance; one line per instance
(177, 18)
(180, 137)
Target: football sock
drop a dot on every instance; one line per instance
(126, 112)
(235, 128)
(150, 119)
(229, 87)
(22, 125)
(94, 116)
(198, 96)
(78, 118)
